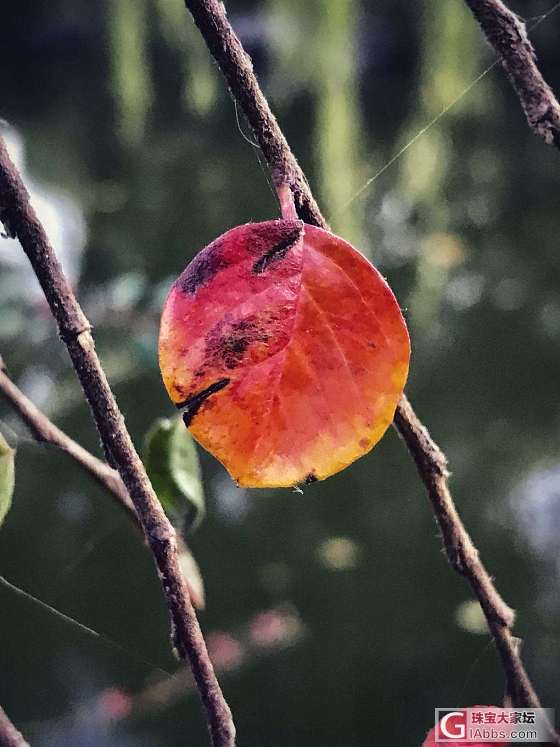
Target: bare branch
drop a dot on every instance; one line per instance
(21, 221)
(461, 552)
(9, 735)
(45, 431)
(235, 64)
(507, 33)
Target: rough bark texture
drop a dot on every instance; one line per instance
(211, 19)
(21, 221)
(507, 33)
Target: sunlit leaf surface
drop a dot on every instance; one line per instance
(286, 350)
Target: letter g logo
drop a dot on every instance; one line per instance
(452, 725)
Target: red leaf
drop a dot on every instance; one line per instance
(287, 350)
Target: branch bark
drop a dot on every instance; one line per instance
(9, 735)
(235, 64)
(20, 220)
(45, 431)
(507, 34)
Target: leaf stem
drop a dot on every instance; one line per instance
(286, 199)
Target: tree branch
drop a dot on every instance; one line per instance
(9, 735)
(236, 66)
(462, 554)
(507, 33)
(20, 220)
(45, 431)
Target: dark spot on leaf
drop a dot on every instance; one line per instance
(203, 268)
(279, 249)
(193, 404)
(227, 342)
(311, 477)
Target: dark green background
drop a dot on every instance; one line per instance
(120, 108)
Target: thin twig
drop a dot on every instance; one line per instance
(45, 431)
(507, 33)
(461, 552)
(20, 220)
(236, 66)
(9, 735)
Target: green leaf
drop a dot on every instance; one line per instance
(172, 464)
(7, 476)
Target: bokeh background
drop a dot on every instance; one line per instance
(332, 614)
